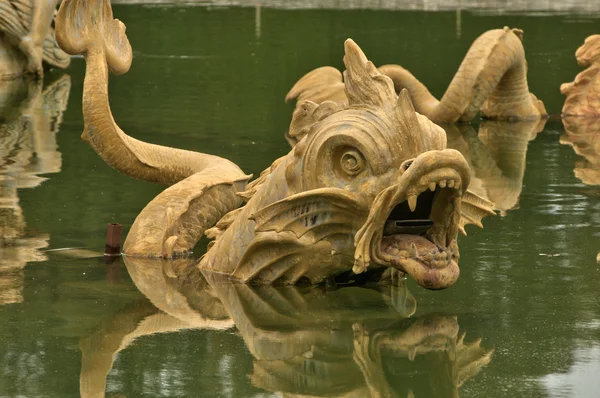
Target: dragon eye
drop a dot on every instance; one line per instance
(352, 162)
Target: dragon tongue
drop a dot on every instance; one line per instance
(413, 245)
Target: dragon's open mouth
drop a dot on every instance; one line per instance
(413, 225)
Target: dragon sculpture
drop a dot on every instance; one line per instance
(27, 38)
(492, 80)
(583, 94)
(369, 187)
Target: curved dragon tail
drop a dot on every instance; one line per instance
(87, 27)
(204, 187)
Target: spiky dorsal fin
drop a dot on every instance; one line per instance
(473, 209)
(319, 85)
(364, 83)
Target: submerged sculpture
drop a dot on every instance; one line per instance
(370, 186)
(583, 94)
(27, 38)
(492, 79)
(27, 149)
(304, 341)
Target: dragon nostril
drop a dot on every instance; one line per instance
(406, 164)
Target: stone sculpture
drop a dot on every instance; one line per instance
(27, 149)
(305, 341)
(492, 80)
(27, 38)
(370, 186)
(583, 94)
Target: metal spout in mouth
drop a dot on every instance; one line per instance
(411, 227)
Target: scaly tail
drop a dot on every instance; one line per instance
(205, 185)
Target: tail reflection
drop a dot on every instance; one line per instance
(496, 155)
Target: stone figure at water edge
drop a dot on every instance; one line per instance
(305, 341)
(583, 94)
(492, 80)
(28, 149)
(27, 38)
(370, 187)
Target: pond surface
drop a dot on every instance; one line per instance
(522, 321)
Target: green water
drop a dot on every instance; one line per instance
(213, 80)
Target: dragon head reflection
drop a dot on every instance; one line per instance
(352, 341)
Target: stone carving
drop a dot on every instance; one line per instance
(27, 38)
(370, 185)
(305, 341)
(583, 94)
(27, 149)
(492, 80)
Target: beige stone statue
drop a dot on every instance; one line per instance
(27, 149)
(369, 186)
(305, 341)
(27, 38)
(492, 80)
(583, 94)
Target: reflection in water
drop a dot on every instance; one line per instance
(29, 121)
(583, 134)
(352, 341)
(496, 156)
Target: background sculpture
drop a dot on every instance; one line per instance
(492, 79)
(27, 38)
(583, 94)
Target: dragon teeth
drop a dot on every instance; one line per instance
(442, 183)
(432, 187)
(413, 251)
(412, 202)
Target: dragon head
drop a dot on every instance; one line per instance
(379, 172)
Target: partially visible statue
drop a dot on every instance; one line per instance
(27, 38)
(27, 149)
(583, 94)
(305, 341)
(369, 187)
(492, 80)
